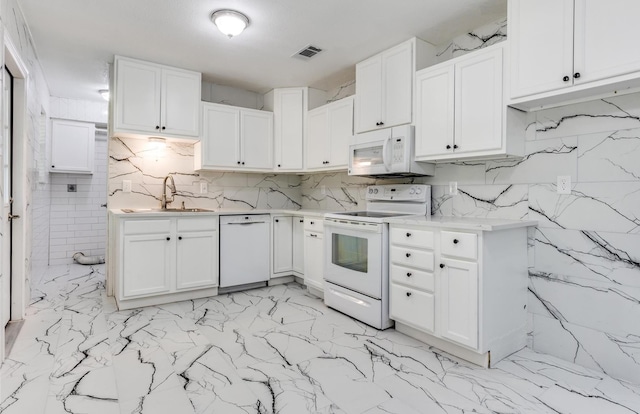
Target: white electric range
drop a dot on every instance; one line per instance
(356, 266)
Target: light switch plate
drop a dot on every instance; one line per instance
(564, 184)
(126, 186)
(203, 187)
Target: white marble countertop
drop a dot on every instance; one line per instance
(462, 223)
(152, 212)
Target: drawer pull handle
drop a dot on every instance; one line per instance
(408, 254)
(408, 234)
(179, 237)
(408, 274)
(168, 238)
(408, 294)
(311, 223)
(277, 221)
(301, 221)
(441, 265)
(456, 241)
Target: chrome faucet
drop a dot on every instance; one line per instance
(172, 187)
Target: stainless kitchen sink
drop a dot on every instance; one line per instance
(166, 210)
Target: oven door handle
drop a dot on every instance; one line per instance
(385, 154)
(369, 228)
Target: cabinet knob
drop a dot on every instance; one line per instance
(381, 123)
(242, 162)
(566, 79)
(456, 241)
(53, 166)
(278, 165)
(179, 237)
(455, 146)
(238, 162)
(408, 234)
(441, 265)
(408, 254)
(576, 75)
(164, 127)
(408, 294)
(408, 274)
(157, 126)
(327, 162)
(277, 221)
(168, 238)
(377, 123)
(448, 146)
(311, 223)
(301, 221)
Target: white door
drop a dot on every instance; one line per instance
(317, 137)
(282, 244)
(256, 132)
(434, 111)
(368, 104)
(220, 136)
(541, 45)
(397, 85)
(458, 298)
(5, 237)
(598, 26)
(148, 265)
(478, 102)
(298, 245)
(137, 96)
(180, 106)
(196, 259)
(289, 128)
(340, 132)
(313, 260)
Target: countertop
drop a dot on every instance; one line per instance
(143, 212)
(462, 223)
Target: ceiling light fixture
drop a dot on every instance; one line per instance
(230, 22)
(104, 93)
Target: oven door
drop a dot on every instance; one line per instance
(354, 255)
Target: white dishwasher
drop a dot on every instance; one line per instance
(244, 249)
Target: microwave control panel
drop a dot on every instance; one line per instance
(398, 151)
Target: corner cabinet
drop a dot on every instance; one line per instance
(584, 44)
(158, 100)
(72, 147)
(329, 129)
(164, 259)
(461, 112)
(449, 288)
(234, 138)
(384, 85)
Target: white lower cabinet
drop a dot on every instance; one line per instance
(282, 244)
(314, 254)
(463, 291)
(160, 260)
(298, 245)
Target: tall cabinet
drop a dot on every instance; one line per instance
(329, 129)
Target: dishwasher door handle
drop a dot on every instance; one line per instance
(246, 223)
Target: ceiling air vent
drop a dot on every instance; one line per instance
(307, 52)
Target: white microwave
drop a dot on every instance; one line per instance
(386, 153)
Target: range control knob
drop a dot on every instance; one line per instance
(418, 190)
(412, 190)
(375, 191)
(371, 191)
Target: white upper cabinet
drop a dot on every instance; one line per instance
(384, 85)
(234, 139)
(587, 47)
(72, 146)
(328, 132)
(460, 110)
(152, 99)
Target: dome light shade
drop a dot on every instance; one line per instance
(230, 22)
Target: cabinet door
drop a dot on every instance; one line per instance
(368, 105)
(282, 244)
(317, 138)
(340, 132)
(147, 264)
(479, 102)
(137, 98)
(256, 131)
(606, 39)
(397, 85)
(412, 306)
(72, 146)
(458, 297)
(434, 111)
(313, 260)
(289, 128)
(196, 259)
(180, 106)
(220, 136)
(298, 245)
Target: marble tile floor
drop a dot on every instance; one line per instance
(268, 350)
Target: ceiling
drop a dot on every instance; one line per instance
(76, 40)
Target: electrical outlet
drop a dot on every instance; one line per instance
(126, 186)
(453, 188)
(564, 184)
(203, 187)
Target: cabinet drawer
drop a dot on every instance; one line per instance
(147, 226)
(464, 245)
(198, 223)
(314, 224)
(412, 307)
(412, 277)
(411, 257)
(421, 239)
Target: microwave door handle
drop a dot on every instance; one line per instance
(385, 154)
